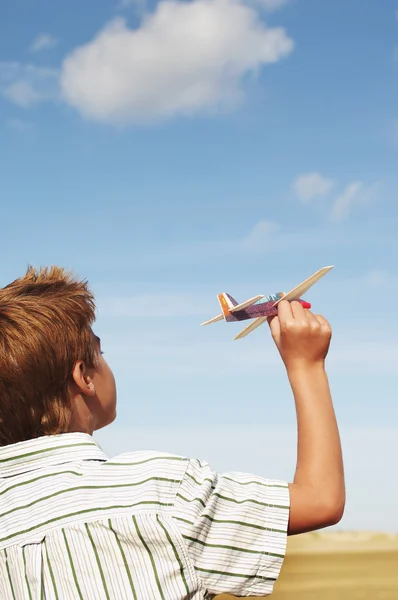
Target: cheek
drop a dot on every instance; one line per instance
(105, 370)
(111, 383)
(106, 383)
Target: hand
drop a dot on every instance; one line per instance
(301, 337)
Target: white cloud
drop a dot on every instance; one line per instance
(356, 193)
(184, 58)
(310, 185)
(344, 202)
(26, 85)
(262, 234)
(22, 94)
(43, 41)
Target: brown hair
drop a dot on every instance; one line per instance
(45, 327)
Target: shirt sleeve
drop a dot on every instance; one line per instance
(235, 528)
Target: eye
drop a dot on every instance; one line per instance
(101, 352)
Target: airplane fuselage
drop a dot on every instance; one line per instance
(262, 308)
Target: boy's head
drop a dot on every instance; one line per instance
(53, 378)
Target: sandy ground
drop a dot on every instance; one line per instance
(339, 566)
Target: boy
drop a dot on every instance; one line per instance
(144, 525)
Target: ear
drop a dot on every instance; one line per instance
(82, 379)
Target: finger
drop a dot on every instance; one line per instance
(298, 311)
(311, 317)
(284, 311)
(324, 322)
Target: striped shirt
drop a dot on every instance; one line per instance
(75, 524)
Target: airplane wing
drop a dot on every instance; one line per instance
(213, 320)
(246, 303)
(294, 294)
(253, 325)
(303, 287)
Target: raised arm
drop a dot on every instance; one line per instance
(318, 490)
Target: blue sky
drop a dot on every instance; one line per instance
(171, 151)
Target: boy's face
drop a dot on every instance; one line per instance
(104, 408)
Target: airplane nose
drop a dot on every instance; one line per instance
(305, 304)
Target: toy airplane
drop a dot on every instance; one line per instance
(261, 307)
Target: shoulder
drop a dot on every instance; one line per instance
(146, 456)
(149, 463)
(145, 479)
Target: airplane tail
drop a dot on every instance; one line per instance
(226, 302)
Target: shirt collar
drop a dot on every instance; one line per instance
(47, 451)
